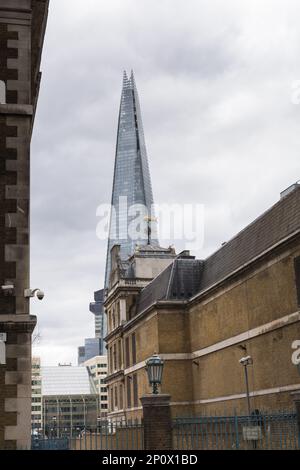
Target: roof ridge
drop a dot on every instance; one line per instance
(171, 278)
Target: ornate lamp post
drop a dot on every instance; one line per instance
(156, 409)
(154, 368)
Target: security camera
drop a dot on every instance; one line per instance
(40, 294)
(32, 292)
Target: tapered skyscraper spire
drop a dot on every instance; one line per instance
(132, 192)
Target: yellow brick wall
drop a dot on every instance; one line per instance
(259, 299)
(256, 298)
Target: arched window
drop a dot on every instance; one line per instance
(2, 92)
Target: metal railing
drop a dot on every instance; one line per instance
(276, 431)
(50, 444)
(112, 436)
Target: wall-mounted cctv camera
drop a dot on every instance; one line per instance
(40, 294)
(32, 292)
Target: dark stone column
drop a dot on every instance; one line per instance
(157, 422)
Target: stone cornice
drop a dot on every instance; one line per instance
(116, 333)
(115, 375)
(16, 109)
(21, 323)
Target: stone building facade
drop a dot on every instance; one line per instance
(22, 28)
(126, 282)
(203, 316)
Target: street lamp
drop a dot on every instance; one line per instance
(247, 361)
(154, 369)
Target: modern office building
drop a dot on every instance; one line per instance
(70, 401)
(95, 346)
(22, 30)
(36, 402)
(97, 309)
(81, 355)
(131, 182)
(98, 370)
(91, 348)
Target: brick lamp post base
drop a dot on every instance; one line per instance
(157, 422)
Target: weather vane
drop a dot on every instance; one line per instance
(149, 219)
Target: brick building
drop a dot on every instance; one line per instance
(22, 28)
(203, 316)
(98, 370)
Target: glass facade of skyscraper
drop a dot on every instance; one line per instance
(97, 309)
(132, 192)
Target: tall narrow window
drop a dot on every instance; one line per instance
(127, 351)
(119, 354)
(113, 318)
(115, 356)
(128, 384)
(135, 391)
(116, 397)
(111, 359)
(111, 404)
(297, 277)
(133, 347)
(121, 397)
(118, 314)
(2, 92)
(110, 320)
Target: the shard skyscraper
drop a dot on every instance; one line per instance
(132, 189)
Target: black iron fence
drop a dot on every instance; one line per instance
(260, 431)
(112, 436)
(278, 431)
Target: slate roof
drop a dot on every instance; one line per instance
(179, 281)
(185, 278)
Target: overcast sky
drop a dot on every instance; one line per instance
(221, 121)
